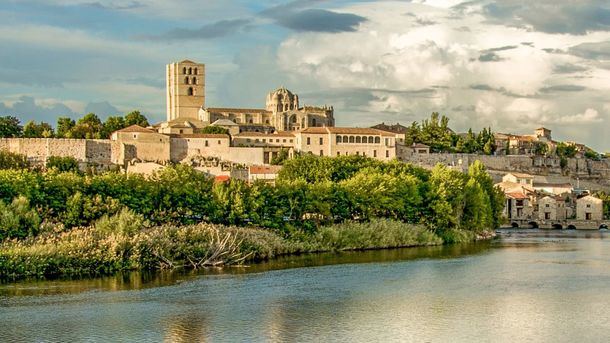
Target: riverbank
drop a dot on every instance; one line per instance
(96, 250)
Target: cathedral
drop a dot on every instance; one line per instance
(187, 112)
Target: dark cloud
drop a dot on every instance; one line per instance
(26, 109)
(502, 48)
(119, 6)
(501, 90)
(568, 68)
(419, 20)
(592, 51)
(217, 29)
(528, 44)
(102, 109)
(573, 17)
(464, 108)
(562, 88)
(319, 20)
(490, 57)
(553, 51)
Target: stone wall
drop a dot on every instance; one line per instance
(38, 150)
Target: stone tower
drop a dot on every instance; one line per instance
(282, 100)
(185, 82)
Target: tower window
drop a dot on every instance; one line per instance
(186, 80)
(190, 71)
(190, 91)
(194, 80)
(184, 70)
(195, 71)
(313, 122)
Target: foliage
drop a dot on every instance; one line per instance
(64, 127)
(63, 163)
(136, 118)
(112, 123)
(280, 158)
(34, 130)
(211, 129)
(564, 150)
(591, 154)
(9, 160)
(125, 222)
(17, 219)
(10, 127)
(541, 148)
(89, 126)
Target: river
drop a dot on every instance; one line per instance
(526, 286)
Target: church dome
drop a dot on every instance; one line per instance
(281, 100)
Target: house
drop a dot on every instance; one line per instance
(519, 178)
(518, 206)
(553, 208)
(264, 172)
(589, 208)
(553, 188)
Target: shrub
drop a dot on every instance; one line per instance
(9, 160)
(63, 164)
(18, 220)
(125, 222)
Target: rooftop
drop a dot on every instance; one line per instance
(264, 169)
(135, 128)
(236, 110)
(262, 134)
(347, 130)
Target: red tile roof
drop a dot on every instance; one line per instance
(517, 196)
(265, 169)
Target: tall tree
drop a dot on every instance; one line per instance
(10, 127)
(112, 124)
(64, 126)
(90, 126)
(136, 118)
(35, 130)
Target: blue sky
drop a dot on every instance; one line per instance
(513, 64)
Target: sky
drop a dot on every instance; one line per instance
(512, 65)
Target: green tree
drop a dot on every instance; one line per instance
(210, 129)
(541, 148)
(35, 130)
(18, 220)
(64, 127)
(90, 126)
(565, 150)
(280, 158)
(135, 118)
(63, 163)
(10, 127)
(112, 123)
(9, 160)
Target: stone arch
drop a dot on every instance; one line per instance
(571, 227)
(351, 139)
(345, 139)
(358, 139)
(371, 139)
(377, 140)
(514, 225)
(557, 226)
(338, 139)
(533, 225)
(603, 227)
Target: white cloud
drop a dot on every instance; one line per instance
(588, 116)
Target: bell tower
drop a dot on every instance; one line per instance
(185, 82)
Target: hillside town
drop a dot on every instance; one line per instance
(251, 143)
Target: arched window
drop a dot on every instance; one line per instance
(293, 120)
(184, 70)
(371, 139)
(186, 80)
(358, 139)
(195, 71)
(267, 121)
(313, 122)
(351, 139)
(338, 139)
(194, 80)
(190, 71)
(190, 91)
(377, 140)
(250, 121)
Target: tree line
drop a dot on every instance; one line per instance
(89, 126)
(311, 192)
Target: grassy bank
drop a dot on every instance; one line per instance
(99, 251)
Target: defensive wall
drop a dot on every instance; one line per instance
(38, 150)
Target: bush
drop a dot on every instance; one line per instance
(457, 236)
(9, 160)
(126, 222)
(63, 164)
(18, 220)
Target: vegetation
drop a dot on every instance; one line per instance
(63, 164)
(281, 157)
(89, 126)
(435, 132)
(215, 130)
(9, 160)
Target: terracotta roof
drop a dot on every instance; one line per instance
(264, 169)
(135, 128)
(237, 110)
(517, 196)
(222, 178)
(204, 135)
(262, 134)
(314, 130)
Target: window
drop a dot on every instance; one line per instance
(190, 71)
(206, 143)
(338, 153)
(181, 131)
(547, 205)
(588, 205)
(374, 153)
(387, 153)
(219, 142)
(321, 152)
(256, 140)
(277, 140)
(190, 91)
(338, 139)
(377, 140)
(284, 140)
(357, 153)
(291, 141)
(351, 139)
(186, 80)
(308, 141)
(547, 215)
(313, 122)
(184, 70)
(321, 140)
(371, 139)
(263, 140)
(387, 141)
(267, 121)
(588, 216)
(358, 139)
(135, 136)
(195, 71)
(248, 140)
(194, 80)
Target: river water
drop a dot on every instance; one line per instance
(526, 286)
